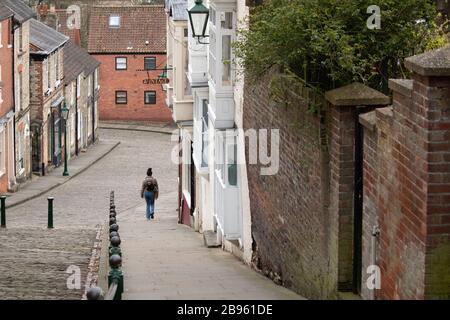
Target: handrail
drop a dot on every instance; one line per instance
(115, 276)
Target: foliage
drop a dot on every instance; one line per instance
(328, 43)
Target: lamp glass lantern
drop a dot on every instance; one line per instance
(198, 17)
(65, 112)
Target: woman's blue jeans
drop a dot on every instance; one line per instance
(150, 200)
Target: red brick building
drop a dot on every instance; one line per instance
(6, 99)
(130, 44)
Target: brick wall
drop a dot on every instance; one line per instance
(36, 90)
(407, 182)
(290, 221)
(131, 81)
(6, 102)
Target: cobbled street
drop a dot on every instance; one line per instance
(35, 259)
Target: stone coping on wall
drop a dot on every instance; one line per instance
(356, 94)
(368, 120)
(434, 63)
(402, 86)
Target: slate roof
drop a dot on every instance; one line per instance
(4, 12)
(177, 9)
(22, 12)
(76, 61)
(45, 38)
(138, 24)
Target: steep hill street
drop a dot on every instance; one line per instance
(163, 260)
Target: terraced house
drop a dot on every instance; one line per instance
(82, 90)
(213, 187)
(47, 96)
(6, 100)
(22, 16)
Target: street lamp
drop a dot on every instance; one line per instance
(163, 78)
(65, 116)
(198, 17)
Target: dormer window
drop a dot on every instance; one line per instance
(114, 21)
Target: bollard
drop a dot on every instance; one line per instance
(3, 211)
(94, 293)
(50, 212)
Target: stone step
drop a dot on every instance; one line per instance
(210, 238)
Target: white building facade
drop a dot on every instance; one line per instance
(223, 210)
(180, 100)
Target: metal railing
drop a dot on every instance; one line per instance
(115, 276)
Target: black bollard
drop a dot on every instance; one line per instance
(3, 211)
(50, 212)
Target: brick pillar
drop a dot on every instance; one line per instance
(346, 104)
(431, 96)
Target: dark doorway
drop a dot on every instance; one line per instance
(56, 137)
(36, 148)
(358, 203)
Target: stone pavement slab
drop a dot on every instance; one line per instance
(41, 185)
(165, 260)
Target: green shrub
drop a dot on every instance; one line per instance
(328, 43)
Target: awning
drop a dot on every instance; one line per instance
(57, 102)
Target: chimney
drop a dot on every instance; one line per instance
(42, 9)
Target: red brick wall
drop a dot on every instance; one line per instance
(131, 81)
(406, 187)
(395, 200)
(6, 59)
(6, 62)
(290, 220)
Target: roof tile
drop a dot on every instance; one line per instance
(142, 29)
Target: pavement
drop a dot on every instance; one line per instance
(164, 260)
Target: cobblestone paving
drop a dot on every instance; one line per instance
(34, 261)
(84, 200)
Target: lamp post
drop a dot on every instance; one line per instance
(65, 116)
(198, 17)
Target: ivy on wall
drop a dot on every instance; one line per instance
(328, 43)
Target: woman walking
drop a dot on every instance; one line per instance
(150, 191)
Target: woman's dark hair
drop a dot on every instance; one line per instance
(149, 172)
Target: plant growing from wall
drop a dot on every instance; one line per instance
(328, 44)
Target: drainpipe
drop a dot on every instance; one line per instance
(14, 99)
(373, 245)
(93, 107)
(76, 117)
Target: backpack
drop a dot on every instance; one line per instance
(150, 186)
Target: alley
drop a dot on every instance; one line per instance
(163, 260)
